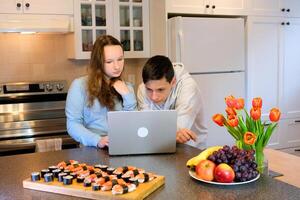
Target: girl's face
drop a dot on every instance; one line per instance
(113, 61)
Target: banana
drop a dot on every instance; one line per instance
(191, 163)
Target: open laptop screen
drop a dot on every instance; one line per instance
(142, 132)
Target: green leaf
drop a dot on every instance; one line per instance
(268, 133)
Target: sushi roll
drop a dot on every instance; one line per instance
(48, 177)
(126, 177)
(107, 186)
(44, 171)
(96, 187)
(67, 171)
(56, 172)
(103, 167)
(61, 176)
(87, 183)
(123, 189)
(144, 177)
(134, 181)
(67, 180)
(35, 176)
(51, 168)
(73, 174)
(80, 179)
(110, 170)
(98, 174)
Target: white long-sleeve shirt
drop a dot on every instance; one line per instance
(185, 98)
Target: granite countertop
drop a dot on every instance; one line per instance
(178, 183)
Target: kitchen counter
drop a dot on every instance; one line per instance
(287, 164)
(178, 183)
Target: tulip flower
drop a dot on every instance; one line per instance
(255, 113)
(249, 138)
(230, 101)
(247, 128)
(230, 111)
(232, 121)
(240, 103)
(274, 114)
(257, 102)
(219, 119)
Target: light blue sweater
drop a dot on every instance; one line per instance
(87, 124)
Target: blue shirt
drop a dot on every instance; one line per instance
(87, 124)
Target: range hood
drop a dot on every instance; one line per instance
(36, 23)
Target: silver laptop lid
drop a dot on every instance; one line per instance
(142, 132)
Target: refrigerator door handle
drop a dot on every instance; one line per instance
(180, 39)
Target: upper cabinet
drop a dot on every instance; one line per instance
(37, 7)
(221, 7)
(281, 8)
(127, 20)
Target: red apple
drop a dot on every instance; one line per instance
(205, 170)
(224, 173)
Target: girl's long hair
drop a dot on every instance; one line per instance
(98, 87)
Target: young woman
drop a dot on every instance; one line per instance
(91, 97)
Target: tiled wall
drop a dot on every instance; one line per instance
(43, 57)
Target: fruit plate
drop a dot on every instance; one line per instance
(193, 174)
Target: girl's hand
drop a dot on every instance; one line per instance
(120, 87)
(103, 142)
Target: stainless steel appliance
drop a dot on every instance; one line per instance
(30, 111)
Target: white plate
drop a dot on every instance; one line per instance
(193, 174)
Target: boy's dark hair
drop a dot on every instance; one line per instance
(157, 68)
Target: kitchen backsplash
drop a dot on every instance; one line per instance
(39, 57)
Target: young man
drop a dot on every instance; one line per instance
(168, 87)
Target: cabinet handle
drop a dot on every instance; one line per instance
(213, 7)
(282, 9)
(18, 5)
(297, 121)
(282, 23)
(288, 10)
(27, 5)
(288, 23)
(207, 6)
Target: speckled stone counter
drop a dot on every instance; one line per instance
(178, 184)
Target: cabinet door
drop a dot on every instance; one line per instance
(48, 6)
(292, 7)
(11, 6)
(293, 132)
(91, 18)
(266, 8)
(291, 95)
(264, 62)
(132, 27)
(187, 6)
(228, 7)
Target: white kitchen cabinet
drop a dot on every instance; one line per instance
(228, 7)
(286, 8)
(37, 7)
(273, 69)
(127, 20)
(291, 64)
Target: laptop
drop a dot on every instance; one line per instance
(142, 132)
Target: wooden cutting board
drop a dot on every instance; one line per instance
(78, 190)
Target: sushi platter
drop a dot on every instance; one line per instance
(95, 182)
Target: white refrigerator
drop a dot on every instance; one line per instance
(213, 51)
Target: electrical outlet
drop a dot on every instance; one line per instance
(131, 78)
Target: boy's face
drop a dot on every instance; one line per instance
(159, 90)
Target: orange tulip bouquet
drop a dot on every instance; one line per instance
(248, 130)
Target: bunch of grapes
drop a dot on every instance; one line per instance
(242, 162)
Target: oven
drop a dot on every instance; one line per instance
(31, 111)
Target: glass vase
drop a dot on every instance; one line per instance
(262, 162)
